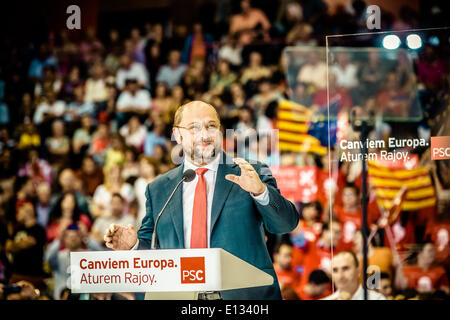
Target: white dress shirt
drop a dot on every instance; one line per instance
(57, 108)
(189, 193)
(141, 100)
(359, 295)
(136, 71)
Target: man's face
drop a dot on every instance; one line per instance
(66, 180)
(133, 87)
(72, 239)
(255, 59)
(117, 206)
(345, 273)
(146, 169)
(79, 93)
(86, 121)
(310, 213)
(284, 257)
(342, 58)
(135, 33)
(43, 193)
(88, 166)
(245, 5)
(125, 61)
(349, 197)
(199, 133)
(51, 97)
(331, 236)
(174, 58)
(197, 28)
(58, 128)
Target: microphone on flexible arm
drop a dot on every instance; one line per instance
(188, 176)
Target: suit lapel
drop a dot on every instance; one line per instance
(175, 207)
(222, 187)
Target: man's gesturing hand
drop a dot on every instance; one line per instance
(120, 238)
(249, 179)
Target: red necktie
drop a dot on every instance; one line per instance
(199, 237)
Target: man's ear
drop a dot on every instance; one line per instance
(177, 135)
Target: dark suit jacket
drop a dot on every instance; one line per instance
(236, 221)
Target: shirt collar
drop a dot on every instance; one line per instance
(213, 165)
(359, 293)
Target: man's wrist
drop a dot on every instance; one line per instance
(263, 189)
(136, 245)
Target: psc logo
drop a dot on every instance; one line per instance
(192, 270)
(440, 148)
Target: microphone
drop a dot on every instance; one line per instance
(188, 176)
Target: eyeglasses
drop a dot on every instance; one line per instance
(197, 127)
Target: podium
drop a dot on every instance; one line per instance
(170, 274)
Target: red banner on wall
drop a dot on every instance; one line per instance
(298, 184)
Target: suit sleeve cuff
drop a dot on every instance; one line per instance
(263, 198)
(136, 245)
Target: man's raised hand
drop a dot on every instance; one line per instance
(249, 179)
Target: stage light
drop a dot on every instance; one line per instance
(391, 42)
(434, 40)
(414, 41)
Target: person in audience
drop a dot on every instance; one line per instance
(130, 69)
(255, 70)
(318, 286)
(26, 246)
(49, 108)
(221, 79)
(345, 272)
(113, 183)
(58, 144)
(282, 257)
(64, 213)
(318, 254)
(82, 138)
(172, 72)
(148, 171)
(249, 24)
(117, 215)
(314, 71)
(95, 87)
(57, 254)
(425, 276)
(90, 175)
(134, 133)
(132, 101)
(43, 192)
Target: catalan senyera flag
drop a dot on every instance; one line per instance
(388, 181)
(292, 125)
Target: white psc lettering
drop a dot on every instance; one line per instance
(193, 275)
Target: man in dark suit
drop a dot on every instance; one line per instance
(225, 206)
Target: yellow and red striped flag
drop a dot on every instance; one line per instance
(389, 180)
(292, 124)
